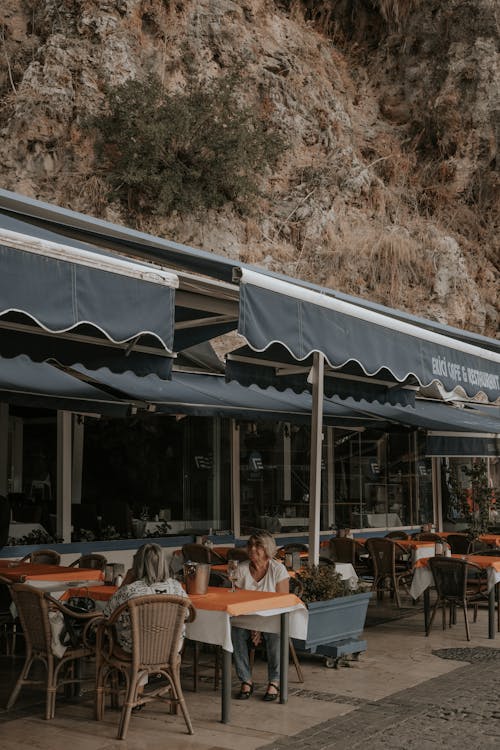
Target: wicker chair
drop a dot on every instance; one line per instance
(345, 550)
(397, 535)
(93, 562)
(157, 623)
(476, 546)
(428, 536)
(455, 587)
(43, 557)
(386, 568)
(33, 607)
(293, 547)
(237, 553)
(201, 554)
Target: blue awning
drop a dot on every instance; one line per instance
(76, 304)
(299, 322)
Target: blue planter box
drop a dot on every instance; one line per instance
(335, 626)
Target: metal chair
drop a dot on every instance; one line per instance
(93, 561)
(8, 623)
(459, 543)
(386, 568)
(42, 557)
(34, 607)
(157, 624)
(453, 586)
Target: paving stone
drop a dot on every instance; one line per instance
(451, 711)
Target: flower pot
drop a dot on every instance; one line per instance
(334, 627)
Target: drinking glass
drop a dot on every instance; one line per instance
(232, 573)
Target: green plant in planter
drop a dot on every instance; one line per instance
(321, 583)
(476, 501)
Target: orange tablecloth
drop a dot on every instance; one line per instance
(98, 593)
(35, 572)
(493, 539)
(243, 602)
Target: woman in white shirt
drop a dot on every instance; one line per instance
(261, 572)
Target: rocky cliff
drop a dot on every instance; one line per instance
(389, 185)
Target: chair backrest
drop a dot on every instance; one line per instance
(196, 553)
(33, 611)
(43, 557)
(459, 543)
(450, 576)
(219, 580)
(5, 596)
(294, 547)
(477, 547)
(237, 553)
(156, 624)
(488, 552)
(397, 535)
(382, 554)
(296, 586)
(343, 550)
(4, 520)
(93, 561)
(427, 536)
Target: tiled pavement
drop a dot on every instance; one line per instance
(405, 692)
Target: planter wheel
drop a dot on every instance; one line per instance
(341, 661)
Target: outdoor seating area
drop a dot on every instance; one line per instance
(399, 657)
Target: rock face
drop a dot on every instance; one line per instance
(389, 188)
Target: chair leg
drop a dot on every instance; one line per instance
(296, 662)
(431, 618)
(396, 591)
(20, 681)
(464, 604)
(179, 696)
(129, 702)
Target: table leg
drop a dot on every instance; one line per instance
(226, 686)
(427, 607)
(491, 612)
(284, 649)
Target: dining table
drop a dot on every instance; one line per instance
(219, 609)
(423, 581)
(51, 578)
(416, 550)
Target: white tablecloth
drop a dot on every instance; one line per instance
(422, 579)
(347, 573)
(215, 627)
(419, 552)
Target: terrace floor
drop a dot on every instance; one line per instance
(394, 694)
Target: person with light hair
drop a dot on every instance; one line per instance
(261, 572)
(148, 575)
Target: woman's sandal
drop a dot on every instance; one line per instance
(243, 695)
(268, 696)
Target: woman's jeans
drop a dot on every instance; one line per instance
(242, 643)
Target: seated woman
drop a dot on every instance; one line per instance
(148, 575)
(261, 572)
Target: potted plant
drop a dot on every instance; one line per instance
(337, 614)
(477, 501)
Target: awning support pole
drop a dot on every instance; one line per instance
(317, 377)
(4, 448)
(64, 456)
